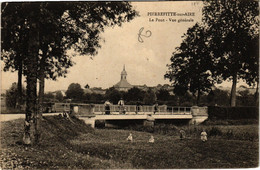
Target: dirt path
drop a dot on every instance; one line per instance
(8, 117)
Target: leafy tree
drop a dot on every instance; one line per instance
(14, 50)
(218, 97)
(245, 98)
(251, 74)
(149, 97)
(48, 30)
(134, 94)
(191, 64)
(75, 91)
(96, 98)
(163, 95)
(86, 97)
(210, 97)
(113, 95)
(49, 97)
(233, 28)
(184, 99)
(12, 96)
(59, 96)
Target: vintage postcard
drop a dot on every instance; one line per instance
(129, 85)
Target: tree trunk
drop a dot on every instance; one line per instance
(20, 92)
(256, 94)
(41, 92)
(233, 91)
(194, 99)
(198, 98)
(40, 102)
(41, 83)
(30, 127)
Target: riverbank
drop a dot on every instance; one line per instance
(73, 145)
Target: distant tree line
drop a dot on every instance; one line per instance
(216, 97)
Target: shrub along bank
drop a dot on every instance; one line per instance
(233, 113)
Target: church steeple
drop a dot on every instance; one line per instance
(123, 85)
(123, 74)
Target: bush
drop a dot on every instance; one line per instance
(231, 122)
(12, 96)
(214, 131)
(232, 113)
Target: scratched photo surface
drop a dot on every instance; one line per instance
(122, 109)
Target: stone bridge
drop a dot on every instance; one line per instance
(89, 113)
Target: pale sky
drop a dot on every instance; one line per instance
(145, 62)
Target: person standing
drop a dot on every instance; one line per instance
(107, 107)
(156, 107)
(138, 106)
(121, 104)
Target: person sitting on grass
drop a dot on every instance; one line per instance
(182, 134)
(203, 136)
(130, 138)
(151, 140)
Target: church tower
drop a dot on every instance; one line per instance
(123, 74)
(123, 85)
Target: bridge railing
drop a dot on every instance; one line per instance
(91, 109)
(60, 107)
(134, 109)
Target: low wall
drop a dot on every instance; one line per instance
(199, 114)
(83, 109)
(199, 111)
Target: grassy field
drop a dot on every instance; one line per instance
(75, 146)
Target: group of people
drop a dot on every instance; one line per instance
(182, 136)
(130, 138)
(122, 108)
(203, 135)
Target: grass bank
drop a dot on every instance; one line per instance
(228, 132)
(67, 145)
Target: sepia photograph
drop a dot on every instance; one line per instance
(129, 85)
